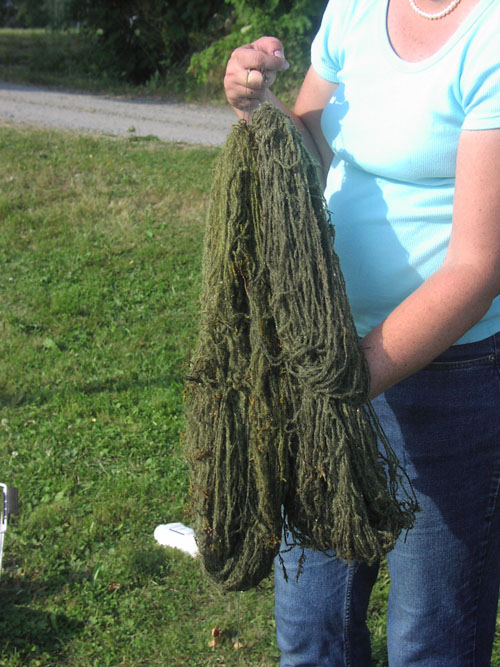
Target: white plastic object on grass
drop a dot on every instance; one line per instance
(178, 536)
(8, 506)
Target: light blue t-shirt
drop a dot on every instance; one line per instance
(394, 128)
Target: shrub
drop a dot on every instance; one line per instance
(137, 38)
(295, 23)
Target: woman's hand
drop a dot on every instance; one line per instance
(251, 70)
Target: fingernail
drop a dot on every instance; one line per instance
(279, 54)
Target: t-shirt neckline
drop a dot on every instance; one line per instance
(418, 65)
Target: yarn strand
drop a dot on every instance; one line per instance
(279, 432)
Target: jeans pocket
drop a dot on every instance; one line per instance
(441, 363)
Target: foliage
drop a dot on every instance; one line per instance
(68, 59)
(33, 13)
(7, 12)
(142, 40)
(295, 23)
(137, 38)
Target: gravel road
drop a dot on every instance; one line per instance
(169, 121)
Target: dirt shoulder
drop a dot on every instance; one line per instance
(168, 121)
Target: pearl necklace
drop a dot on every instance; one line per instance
(438, 15)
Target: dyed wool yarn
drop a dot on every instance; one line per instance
(279, 432)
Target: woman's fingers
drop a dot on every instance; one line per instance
(251, 70)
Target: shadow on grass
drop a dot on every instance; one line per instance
(117, 385)
(28, 632)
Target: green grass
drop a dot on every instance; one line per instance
(100, 248)
(100, 251)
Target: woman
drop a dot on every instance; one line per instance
(401, 106)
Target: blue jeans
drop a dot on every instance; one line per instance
(444, 425)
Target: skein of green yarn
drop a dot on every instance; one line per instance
(278, 428)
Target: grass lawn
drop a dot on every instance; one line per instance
(100, 248)
(99, 274)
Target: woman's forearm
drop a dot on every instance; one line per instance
(425, 324)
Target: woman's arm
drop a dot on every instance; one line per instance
(458, 294)
(314, 95)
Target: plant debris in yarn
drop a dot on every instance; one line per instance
(279, 431)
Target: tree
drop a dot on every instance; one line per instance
(33, 13)
(7, 13)
(294, 22)
(136, 38)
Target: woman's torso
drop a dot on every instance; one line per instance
(394, 126)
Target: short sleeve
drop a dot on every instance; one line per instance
(324, 55)
(480, 80)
